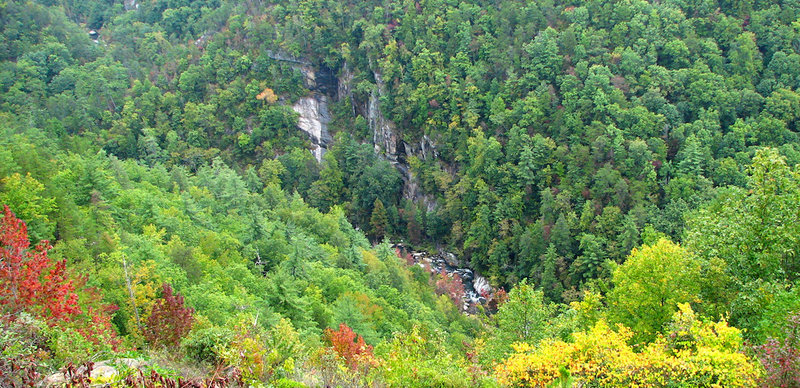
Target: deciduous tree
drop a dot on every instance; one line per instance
(169, 320)
(29, 280)
(649, 286)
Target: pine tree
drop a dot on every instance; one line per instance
(561, 237)
(329, 189)
(379, 220)
(551, 286)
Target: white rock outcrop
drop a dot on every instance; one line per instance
(313, 120)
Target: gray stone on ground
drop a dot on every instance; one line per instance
(100, 370)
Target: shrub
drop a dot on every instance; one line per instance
(169, 321)
(29, 280)
(781, 359)
(34, 286)
(419, 358)
(694, 353)
(22, 348)
(349, 346)
(207, 344)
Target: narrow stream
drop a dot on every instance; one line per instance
(476, 288)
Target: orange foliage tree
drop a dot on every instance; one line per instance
(349, 345)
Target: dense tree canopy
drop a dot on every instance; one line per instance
(235, 173)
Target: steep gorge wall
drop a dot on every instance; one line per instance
(388, 142)
(313, 120)
(313, 112)
(386, 137)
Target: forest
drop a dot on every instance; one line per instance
(214, 193)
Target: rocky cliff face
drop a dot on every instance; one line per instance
(384, 135)
(387, 141)
(313, 109)
(313, 120)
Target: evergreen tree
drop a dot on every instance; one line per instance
(379, 221)
(551, 285)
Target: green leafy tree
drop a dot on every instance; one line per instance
(747, 237)
(524, 316)
(649, 286)
(25, 196)
(328, 190)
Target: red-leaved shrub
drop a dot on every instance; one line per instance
(452, 286)
(169, 321)
(32, 283)
(29, 280)
(781, 359)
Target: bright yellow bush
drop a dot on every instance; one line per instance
(529, 368)
(693, 353)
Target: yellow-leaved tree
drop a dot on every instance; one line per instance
(649, 286)
(692, 353)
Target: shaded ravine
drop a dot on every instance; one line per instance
(477, 290)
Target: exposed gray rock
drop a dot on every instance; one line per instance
(309, 76)
(313, 120)
(344, 87)
(130, 363)
(383, 133)
(279, 56)
(387, 142)
(476, 288)
(54, 380)
(481, 285)
(103, 370)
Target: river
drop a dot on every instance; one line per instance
(476, 289)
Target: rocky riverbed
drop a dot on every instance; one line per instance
(476, 288)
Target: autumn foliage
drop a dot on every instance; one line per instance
(267, 95)
(169, 321)
(29, 280)
(349, 345)
(95, 323)
(695, 353)
(451, 286)
(409, 260)
(781, 359)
